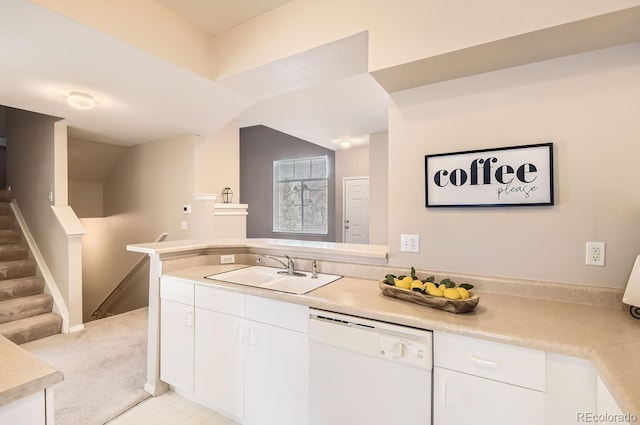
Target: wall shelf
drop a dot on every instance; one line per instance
(230, 209)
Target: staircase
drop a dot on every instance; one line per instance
(25, 310)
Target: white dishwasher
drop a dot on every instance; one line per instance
(365, 372)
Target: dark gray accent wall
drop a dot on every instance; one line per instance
(259, 147)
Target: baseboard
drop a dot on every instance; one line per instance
(76, 328)
(156, 390)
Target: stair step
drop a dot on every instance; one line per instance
(5, 196)
(21, 287)
(17, 251)
(8, 222)
(8, 236)
(32, 328)
(5, 208)
(17, 268)
(23, 307)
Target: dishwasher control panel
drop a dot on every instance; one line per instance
(405, 350)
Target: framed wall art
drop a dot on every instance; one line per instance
(509, 176)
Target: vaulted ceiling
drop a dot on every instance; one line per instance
(321, 95)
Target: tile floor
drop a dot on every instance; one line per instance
(170, 409)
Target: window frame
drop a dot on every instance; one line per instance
(276, 195)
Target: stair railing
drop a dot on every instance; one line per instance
(100, 312)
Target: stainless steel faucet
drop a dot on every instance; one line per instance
(288, 265)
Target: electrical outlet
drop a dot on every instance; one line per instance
(227, 259)
(186, 209)
(410, 243)
(595, 254)
(184, 225)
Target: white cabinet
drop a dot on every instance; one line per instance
(485, 383)
(276, 386)
(220, 346)
(462, 399)
(570, 389)
(219, 361)
(251, 357)
(27, 410)
(177, 335)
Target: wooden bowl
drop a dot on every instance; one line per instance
(452, 306)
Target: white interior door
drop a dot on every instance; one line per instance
(356, 210)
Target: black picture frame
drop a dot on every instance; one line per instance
(500, 177)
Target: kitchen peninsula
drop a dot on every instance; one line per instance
(590, 328)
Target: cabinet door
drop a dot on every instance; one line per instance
(27, 410)
(461, 399)
(176, 345)
(219, 361)
(276, 385)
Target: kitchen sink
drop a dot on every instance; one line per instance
(275, 279)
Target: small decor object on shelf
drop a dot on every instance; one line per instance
(227, 195)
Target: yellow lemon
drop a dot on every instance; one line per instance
(430, 285)
(452, 294)
(464, 294)
(442, 287)
(404, 283)
(436, 292)
(417, 285)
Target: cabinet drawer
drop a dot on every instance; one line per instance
(461, 399)
(176, 290)
(505, 363)
(277, 313)
(220, 300)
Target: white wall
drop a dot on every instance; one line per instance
(216, 159)
(580, 103)
(379, 188)
(587, 105)
(143, 197)
(86, 198)
(352, 162)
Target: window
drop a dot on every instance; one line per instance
(300, 200)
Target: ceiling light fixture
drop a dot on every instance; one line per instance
(80, 100)
(345, 144)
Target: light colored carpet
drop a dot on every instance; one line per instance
(104, 368)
